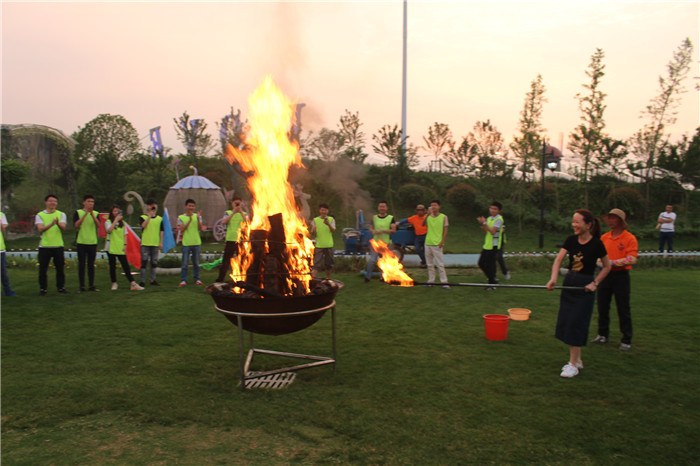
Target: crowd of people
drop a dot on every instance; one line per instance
(598, 265)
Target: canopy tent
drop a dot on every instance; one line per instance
(208, 196)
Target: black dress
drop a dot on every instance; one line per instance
(576, 307)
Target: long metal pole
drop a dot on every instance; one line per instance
(496, 285)
(403, 91)
(544, 148)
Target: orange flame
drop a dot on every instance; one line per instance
(392, 269)
(267, 157)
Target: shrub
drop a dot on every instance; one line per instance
(462, 197)
(169, 261)
(412, 194)
(626, 198)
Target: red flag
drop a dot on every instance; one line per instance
(133, 246)
(102, 231)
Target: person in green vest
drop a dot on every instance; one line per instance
(51, 223)
(382, 227)
(151, 240)
(438, 225)
(5, 277)
(492, 242)
(87, 223)
(189, 225)
(324, 227)
(233, 219)
(116, 248)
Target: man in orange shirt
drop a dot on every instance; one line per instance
(621, 246)
(420, 229)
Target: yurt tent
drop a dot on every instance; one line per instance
(208, 196)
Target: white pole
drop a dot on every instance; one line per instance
(403, 93)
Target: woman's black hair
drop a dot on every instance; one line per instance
(588, 217)
(112, 216)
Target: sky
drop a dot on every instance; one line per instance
(64, 63)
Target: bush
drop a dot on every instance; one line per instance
(462, 197)
(412, 194)
(169, 261)
(626, 198)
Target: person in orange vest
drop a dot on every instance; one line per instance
(622, 251)
(420, 230)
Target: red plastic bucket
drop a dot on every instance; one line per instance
(496, 326)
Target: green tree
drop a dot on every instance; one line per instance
(489, 149)
(390, 144)
(353, 138)
(682, 158)
(586, 140)
(327, 145)
(650, 141)
(191, 134)
(439, 141)
(13, 170)
(462, 161)
(527, 145)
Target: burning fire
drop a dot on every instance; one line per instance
(392, 269)
(268, 156)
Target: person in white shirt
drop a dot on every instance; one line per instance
(666, 227)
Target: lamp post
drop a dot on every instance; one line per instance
(551, 163)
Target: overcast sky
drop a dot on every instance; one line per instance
(65, 63)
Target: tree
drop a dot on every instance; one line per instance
(648, 142)
(682, 157)
(107, 135)
(327, 145)
(353, 138)
(191, 134)
(461, 161)
(439, 141)
(391, 145)
(586, 140)
(528, 143)
(489, 149)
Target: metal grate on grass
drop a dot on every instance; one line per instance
(274, 381)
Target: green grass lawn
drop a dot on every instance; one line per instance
(152, 378)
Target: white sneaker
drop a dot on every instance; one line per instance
(136, 287)
(114, 286)
(507, 277)
(568, 371)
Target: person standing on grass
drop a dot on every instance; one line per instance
(190, 224)
(584, 248)
(666, 226)
(324, 227)
(420, 231)
(437, 225)
(116, 249)
(87, 223)
(621, 246)
(492, 242)
(151, 241)
(51, 223)
(233, 219)
(3, 260)
(382, 227)
(499, 257)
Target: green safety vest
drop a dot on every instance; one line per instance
(324, 235)
(53, 237)
(87, 234)
(190, 237)
(234, 225)
(488, 241)
(150, 236)
(2, 237)
(383, 224)
(116, 241)
(436, 226)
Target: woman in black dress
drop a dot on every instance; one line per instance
(584, 248)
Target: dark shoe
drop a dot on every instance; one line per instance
(81, 290)
(366, 280)
(10, 293)
(625, 346)
(42, 292)
(93, 288)
(142, 284)
(153, 283)
(423, 266)
(63, 291)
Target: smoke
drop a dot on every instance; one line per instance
(343, 176)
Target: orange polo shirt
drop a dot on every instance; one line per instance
(417, 223)
(620, 247)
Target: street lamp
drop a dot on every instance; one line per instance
(549, 160)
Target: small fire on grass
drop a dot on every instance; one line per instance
(392, 269)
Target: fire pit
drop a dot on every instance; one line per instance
(271, 290)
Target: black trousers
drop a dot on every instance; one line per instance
(86, 254)
(230, 250)
(113, 267)
(487, 263)
(45, 255)
(617, 284)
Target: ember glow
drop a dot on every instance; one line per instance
(268, 156)
(392, 269)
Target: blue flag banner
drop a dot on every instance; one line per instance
(156, 142)
(168, 237)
